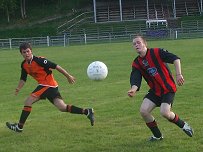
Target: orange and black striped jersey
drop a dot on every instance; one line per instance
(40, 69)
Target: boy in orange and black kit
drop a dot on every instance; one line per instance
(41, 70)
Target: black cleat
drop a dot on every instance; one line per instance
(14, 127)
(153, 138)
(187, 129)
(90, 116)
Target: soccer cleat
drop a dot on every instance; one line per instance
(187, 129)
(90, 116)
(153, 138)
(14, 127)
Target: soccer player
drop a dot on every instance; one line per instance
(151, 64)
(41, 70)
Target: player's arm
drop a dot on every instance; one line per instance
(135, 81)
(22, 81)
(173, 59)
(179, 76)
(47, 64)
(70, 78)
(20, 85)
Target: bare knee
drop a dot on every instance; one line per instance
(143, 112)
(146, 108)
(165, 111)
(62, 110)
(30, 100)
(165, 114)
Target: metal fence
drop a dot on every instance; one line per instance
(107, 37)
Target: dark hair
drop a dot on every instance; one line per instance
(24, 46)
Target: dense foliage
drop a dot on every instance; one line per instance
(29, 9)
(28, 18)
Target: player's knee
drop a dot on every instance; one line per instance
(28, 103)
(165, 114)
(31, 100)
(143, 112)
(62, 109)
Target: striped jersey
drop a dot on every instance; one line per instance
(154, 69)
(40, 69)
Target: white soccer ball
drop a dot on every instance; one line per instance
(97, 70)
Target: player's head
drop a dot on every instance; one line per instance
(140, 37)
(139, 43)
(26, 51)
(25, 46)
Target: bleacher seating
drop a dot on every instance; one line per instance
(137, 10)
(160, 15)
(132, 11)
(188, 24)
(105, 28)
(187, 8)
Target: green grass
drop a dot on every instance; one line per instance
(119, 126)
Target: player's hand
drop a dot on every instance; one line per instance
(180, 80)
(71, 79)
(131, 92)
(16, 91)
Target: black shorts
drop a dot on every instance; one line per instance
(44, 92)
(166, 98)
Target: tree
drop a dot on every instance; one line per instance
(9, 6)
(23, 9)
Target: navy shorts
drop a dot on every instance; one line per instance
(45, 92)
(166, 98)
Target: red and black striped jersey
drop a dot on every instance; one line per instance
(40, 69)
(154, 69)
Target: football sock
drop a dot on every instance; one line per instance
(154, 129)
(76, 110)
(24, 115)
(180, 123)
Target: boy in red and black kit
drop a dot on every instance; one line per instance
(151, 64)
(41, 70)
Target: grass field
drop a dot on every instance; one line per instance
(119, 126)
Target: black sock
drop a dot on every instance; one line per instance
(180, 123)
(154, 129)
(76, 110)
(24, 115)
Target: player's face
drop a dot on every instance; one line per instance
(27, 54)
(139, 45)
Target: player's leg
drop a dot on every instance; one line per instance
(27, 109)
(36, 95)
(54, 96)
(165, 110)
(145, 111)
(59, 103)
(18, 127)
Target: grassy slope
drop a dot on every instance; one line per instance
(119, 127)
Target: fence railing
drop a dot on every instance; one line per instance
(107, 37)
(86, 16)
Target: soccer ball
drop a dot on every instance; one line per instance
(97, 70)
